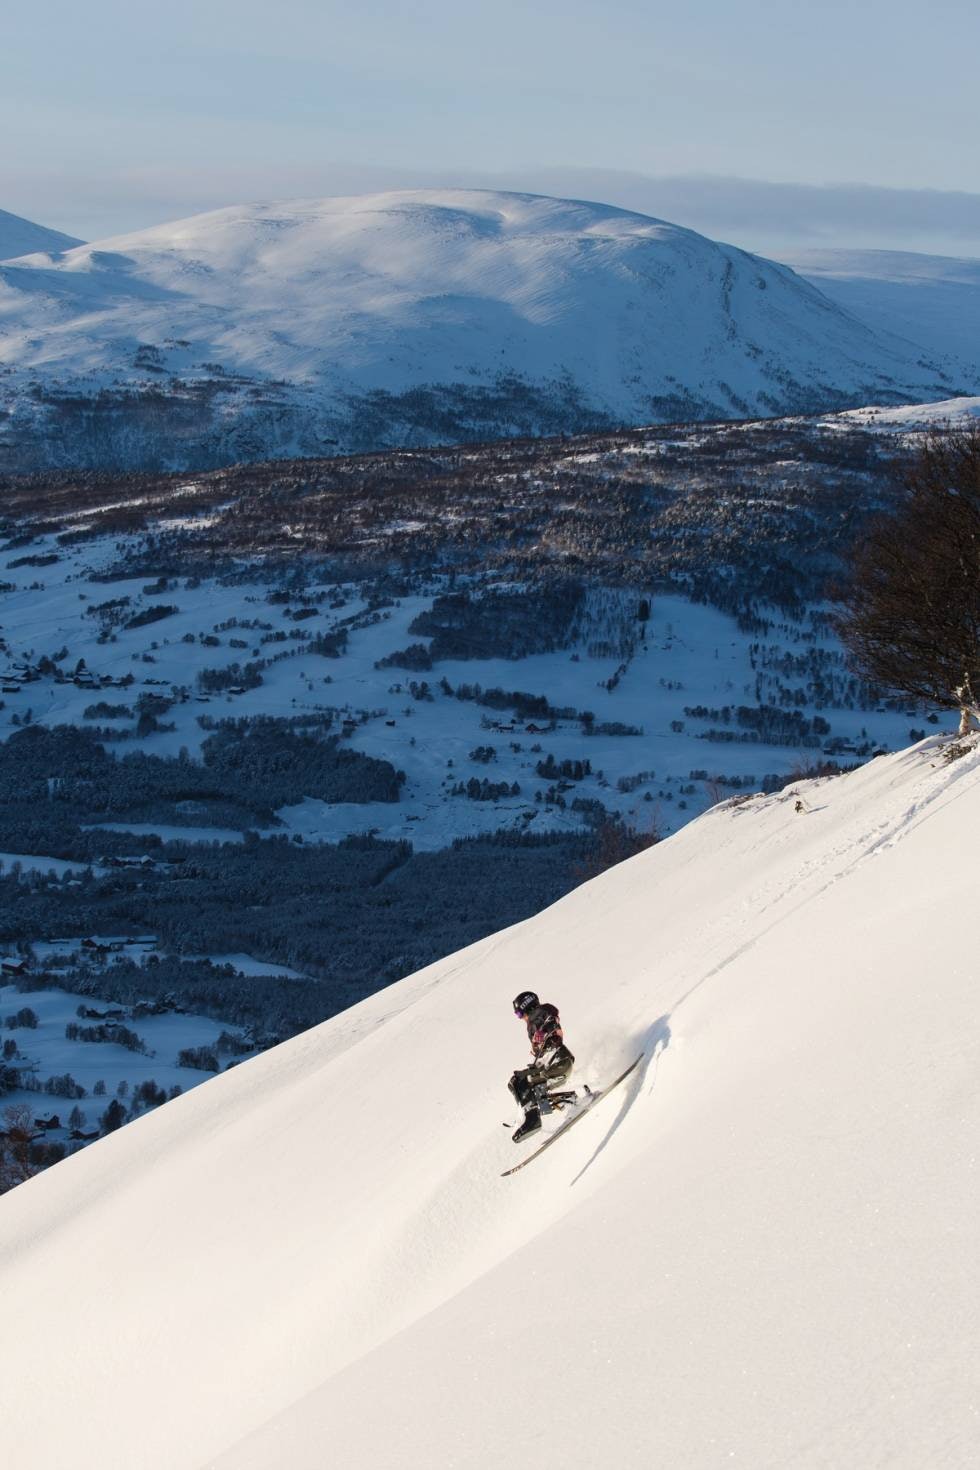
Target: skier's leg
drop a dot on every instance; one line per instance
(521, 1087)
(558, 1069)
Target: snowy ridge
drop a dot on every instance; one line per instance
(418, 317)
(914, 418)
(23, 237)
(757, 1250)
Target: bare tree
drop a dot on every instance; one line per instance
(16, 1138)
(614, 840)
(911, 617)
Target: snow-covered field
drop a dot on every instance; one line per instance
(92, 1063)
(693, 655)
(760, 1251)
(29, 862)
(953, 412)
(103, 1069)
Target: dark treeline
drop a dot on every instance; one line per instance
(763, 724)
(57, 779)
(498, 623)
(731, 514)
(355, 915)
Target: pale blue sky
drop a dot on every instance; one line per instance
(116, 115)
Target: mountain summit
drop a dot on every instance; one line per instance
(416, 317)
(759, 1250)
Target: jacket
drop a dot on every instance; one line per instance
(544, 1031)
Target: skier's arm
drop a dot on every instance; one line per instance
(548, 1035)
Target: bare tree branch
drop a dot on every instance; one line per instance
(911, 617)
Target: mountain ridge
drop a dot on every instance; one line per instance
(422, 317)
(933, 300)
(20, 237)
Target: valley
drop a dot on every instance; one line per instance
(342, 717)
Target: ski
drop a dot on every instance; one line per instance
(580, 1113)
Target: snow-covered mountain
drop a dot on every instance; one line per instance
(23, 237)
(422, 316)
(933, 300)
(760, 1250)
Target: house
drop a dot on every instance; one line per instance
(13, 967)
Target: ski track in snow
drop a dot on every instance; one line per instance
(817, 874)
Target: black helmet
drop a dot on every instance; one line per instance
(524, 1002)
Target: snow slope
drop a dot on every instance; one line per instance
(762, 1250)
(913, 418)
(421, 316)
(23, 237)
(933, 300)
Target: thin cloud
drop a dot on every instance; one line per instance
(756, 214)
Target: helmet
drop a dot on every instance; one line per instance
(524, 1002)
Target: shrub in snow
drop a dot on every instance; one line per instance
(203, 1057)
(24, 1017)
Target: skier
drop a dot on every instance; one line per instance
(552, 1061)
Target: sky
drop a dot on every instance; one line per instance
(762, 122)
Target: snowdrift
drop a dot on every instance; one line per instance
(762, 1249)
(425, 316)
